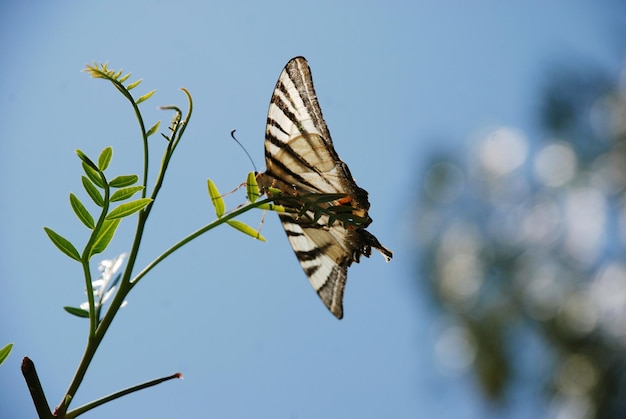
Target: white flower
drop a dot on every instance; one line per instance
(104, 287)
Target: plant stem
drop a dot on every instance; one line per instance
(90, 350)
(125, 286)
(36, 391)
(197, 233)
(80, 410)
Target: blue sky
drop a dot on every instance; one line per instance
(237, 317)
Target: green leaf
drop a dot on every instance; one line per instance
(129, 208)
(93, 175)
(124, 77)
(125, 193)
(270, 206)
(153, 129)
(105, 158)
(81, 212)
(123, 180)
(86, 159)
(317, 214)
(144, 97)
(274, 191)
(216, 198)
(305, 208)
(4, 352)
(76, 311)
(252, 188)
(245, 228)
(62, 244)
(93, 70)
(133, 84)
(105, 235)
(92, 191)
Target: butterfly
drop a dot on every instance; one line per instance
(301, 162)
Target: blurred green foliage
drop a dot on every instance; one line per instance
(523, 245)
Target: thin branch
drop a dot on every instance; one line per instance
(36, 391)
(198, 233)
(82, 409)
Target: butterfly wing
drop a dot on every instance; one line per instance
(300, 158)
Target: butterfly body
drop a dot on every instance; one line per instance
(301, 161)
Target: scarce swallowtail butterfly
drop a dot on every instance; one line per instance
(301, 160)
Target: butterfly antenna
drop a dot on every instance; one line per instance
(232, 134)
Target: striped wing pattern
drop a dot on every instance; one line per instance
(300, 158)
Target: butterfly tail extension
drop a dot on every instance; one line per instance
(368, 241)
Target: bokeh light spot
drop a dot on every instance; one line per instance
(555, 164)
(577, 376)
(503, 151)
(461, 279)
(455, 350)
(585, 215)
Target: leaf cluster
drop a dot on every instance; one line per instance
(103, 193)
(220, 210)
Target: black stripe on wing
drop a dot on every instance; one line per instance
(312, 244)
(308, 255)
(277, 164)
(299, 73)
(289, 150)
(277, 100)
